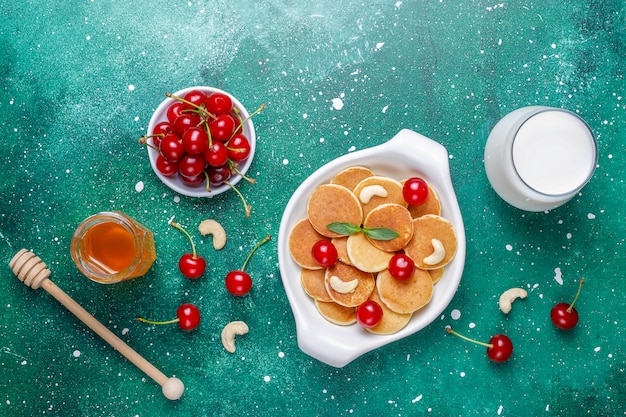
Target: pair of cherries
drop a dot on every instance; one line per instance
(500, 348)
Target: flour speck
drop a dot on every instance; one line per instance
(558, 276)
(337, 103)
(139, 186)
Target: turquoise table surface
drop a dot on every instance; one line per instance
(79, 81)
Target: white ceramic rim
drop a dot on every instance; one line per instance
(173, 182)
(406, 154)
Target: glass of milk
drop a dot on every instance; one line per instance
(537, 158)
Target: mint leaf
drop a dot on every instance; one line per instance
(376, 233)
(344, 229)
(380, 233)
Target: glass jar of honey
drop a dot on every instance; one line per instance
(111, 246)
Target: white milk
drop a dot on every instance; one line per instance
(537, 158)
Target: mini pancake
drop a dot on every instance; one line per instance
(367, 192)
(333, 203)
(427, 228)
(405, 296)
(347, 273)
(313, 283)
(432, 205)
(335, 313)
(340, 244)
(301, 240)
(436, 274)
(366, 256)
(351, 176)
(394, 217)
(391, 322)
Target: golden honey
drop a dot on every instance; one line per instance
(111, 246)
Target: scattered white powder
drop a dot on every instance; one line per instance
(385, 109)
(285, 161)
(462, 374)
(125, 330)
(281, 354)
(337, 103)
(266, 378)
(500, 410)
(176, 199)
(558, 276)
(139, 186)
(131, 87)
(416, 399)
(597, 349)
(591, 216)
(509, 248)
(472, 325)
(455, 314)
(379, 45)
(76, 353)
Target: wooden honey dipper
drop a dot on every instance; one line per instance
(33, 272)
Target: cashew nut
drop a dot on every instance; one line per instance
(343, 287)
(370, 191)
(510, 295)
(230, 331)
(439, 252)
(211, 227)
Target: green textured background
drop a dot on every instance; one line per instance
(79, 81)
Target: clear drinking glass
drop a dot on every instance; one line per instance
(537, 158)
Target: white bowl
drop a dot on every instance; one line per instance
(173, 182)
(407, 154)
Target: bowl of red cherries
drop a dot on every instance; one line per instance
(201, 141)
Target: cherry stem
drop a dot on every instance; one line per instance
(257, 111)
(141, 319)
(245, 204)
(144, 141)
(234, 167)
(199, 109)
(580, 286)
(449, 330)
(258, 245)
(179, 227)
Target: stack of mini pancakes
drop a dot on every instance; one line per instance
(358, 196)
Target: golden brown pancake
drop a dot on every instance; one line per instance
(301, 240)
(394, 217)
(366, 256)
(351, 176)
(436, 274)
(335, 313)
(432, 205)
(427, 228)
(347, 273)
(391, 321)
(405, 296)
(313, 283)
(342, 251)
(333, 203)
(367, 192)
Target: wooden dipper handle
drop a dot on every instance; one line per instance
(33, 272)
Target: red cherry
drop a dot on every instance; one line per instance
(324, 253)
(191, 265)
(401, 266)
(369, 314)
(195, 141)
(238, 282)
(238, 148)
(193, 100)
(191, 165)
(160, 130)
(166, 167)
(187, 317)
(174, 110)
(415, 191)
(185, 121)
(172, 148)
(196, 181)
(499, 348)
(217, 154)
(217, 175)
(563, 315)
(219, 103)
(222, 128)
